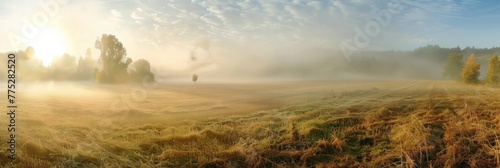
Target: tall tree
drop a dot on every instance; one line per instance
(113, 58)
(470, 72)
(493, 70)
(88, 54)
(453, 66)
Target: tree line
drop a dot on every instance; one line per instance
(112, 66)
(469, 71)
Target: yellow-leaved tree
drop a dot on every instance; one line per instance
(493, 70)
(470, 72)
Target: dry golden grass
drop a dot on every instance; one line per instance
(303, 124)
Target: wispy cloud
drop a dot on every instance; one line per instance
(115, 13)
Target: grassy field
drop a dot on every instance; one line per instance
(300, 124)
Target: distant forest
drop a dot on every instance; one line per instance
(422, 63)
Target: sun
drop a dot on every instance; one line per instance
(49, 44)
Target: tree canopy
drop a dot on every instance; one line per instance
(493, 70)
(140, 71)
(113, 58)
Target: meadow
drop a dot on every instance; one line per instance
(386, 123)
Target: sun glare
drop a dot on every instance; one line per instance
(48, 45)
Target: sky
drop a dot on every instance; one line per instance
(167, 32)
